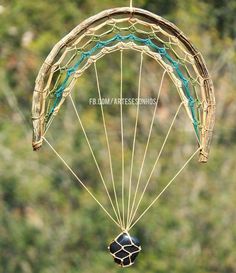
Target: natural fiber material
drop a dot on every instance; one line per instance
(119, 29)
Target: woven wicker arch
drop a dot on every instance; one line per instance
(97, 22)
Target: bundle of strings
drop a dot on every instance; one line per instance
(120, 34)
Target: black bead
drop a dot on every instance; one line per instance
(125, 249)
(124, 239)
(127, 262)
(114, 247)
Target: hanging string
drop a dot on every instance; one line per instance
(156, 162)
(122, 139)
(147, 145)
(131, 4)
(107, 141)
(79, 180)
(94, 157)
(166, 187)
(135, 136)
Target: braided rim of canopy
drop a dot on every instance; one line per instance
(201, 108)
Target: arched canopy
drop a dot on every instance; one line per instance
(148, 42)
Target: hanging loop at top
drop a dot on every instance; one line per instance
(131, 4)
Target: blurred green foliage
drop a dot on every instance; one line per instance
(47, 223)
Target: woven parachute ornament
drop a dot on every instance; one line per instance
(96, 46)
